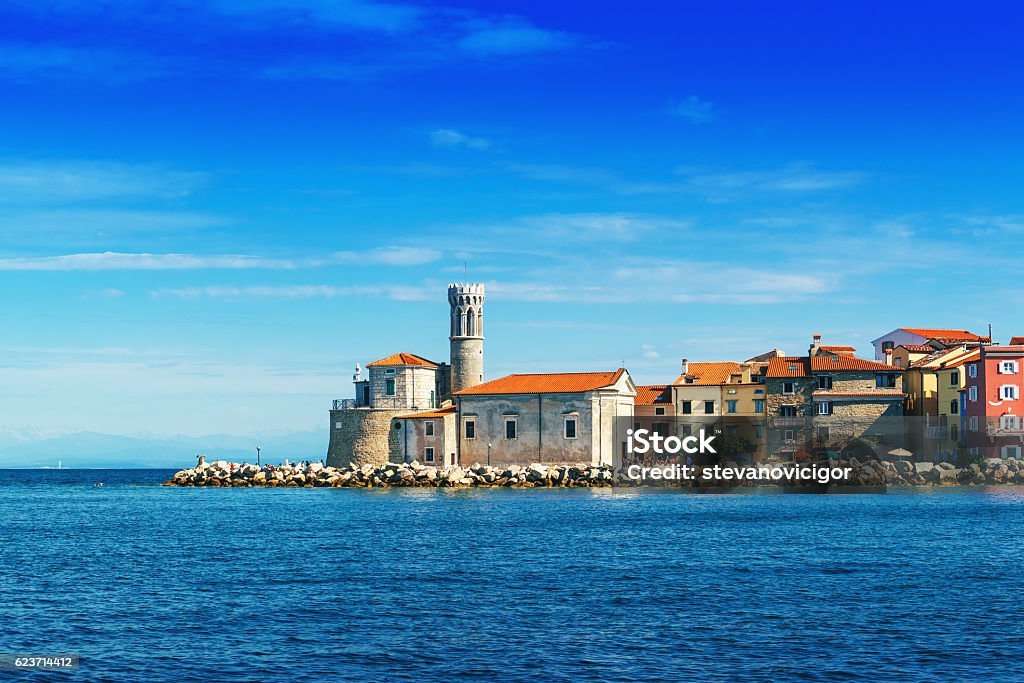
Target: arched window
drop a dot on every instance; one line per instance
(460, 322)
(470, 323)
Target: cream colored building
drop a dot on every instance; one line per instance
(563, 418)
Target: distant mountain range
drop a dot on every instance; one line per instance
(28, 448)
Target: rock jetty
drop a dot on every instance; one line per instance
(224, 474)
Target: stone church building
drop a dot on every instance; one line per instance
(408, 408)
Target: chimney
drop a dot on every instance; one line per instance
(685, 367)
(815, 344)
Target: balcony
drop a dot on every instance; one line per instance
(1007, 425)
(343, 404)
(936, 432)
(788, 421)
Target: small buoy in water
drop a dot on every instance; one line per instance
(99, 483)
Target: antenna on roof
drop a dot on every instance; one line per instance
(990, 333)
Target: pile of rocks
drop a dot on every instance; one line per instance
(223, 473)
(903, 473)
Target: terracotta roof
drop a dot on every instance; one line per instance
(866, 394)
(765, 357)
(957, 362)
(439, 412)
(918, 348)
(846, 363)
(548, 383)
(402, 359)
(798, 367)
(788, 366)
(931, 333)
(841, 350)
(955, 341)
(705, 374)
(648, 395)
(1017, 341)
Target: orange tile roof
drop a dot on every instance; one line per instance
(840, 349)
(648, 395)
(438, 412)
(865, 394)
(547, 383)
(918, 348)
(1017, 341)
(931, 333)
(966, 358)
(402, 359)
(788, 366)
(798, 367)
(708, 374)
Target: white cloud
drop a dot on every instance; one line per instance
(77, 181)
(796, 177)
(394, 292)
(448, 137)
(512, 36)
(694, 109)
(110, 260)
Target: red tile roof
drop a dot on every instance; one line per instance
(548, 383)
(918, 348)
(788, 366)
(648, 395)
(841, 350)
(1017, 341)
(708, 374)
(438, 412)
(402, 359)
(803, 366)
(931, 333)
(846, 363)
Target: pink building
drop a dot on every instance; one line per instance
(993, 406)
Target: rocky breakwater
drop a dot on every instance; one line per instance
(224, 474)
(990, 471)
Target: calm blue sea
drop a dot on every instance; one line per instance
(147, 583)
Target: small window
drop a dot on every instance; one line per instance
(954, 378)
(389, 371)
(1011, 451)
(954, 407)
(1008, 392)
(974, 450)
(972, 370)
(789, 436)
(758, 431)
(888, 345)
(570, 427)
(954, 433)
(822, 433)
(432, 398)
(709, 407)
(730, 406)
(972, 393)
(511, 425)
(428, 428)
(470, 429)
(1008, 367)
(788, 387)
(825, 382)
(428, 454)
(972, 424)
(758, 405)
(759, 392)
(787, 411)
(732, 430)
(659, 411)
(389, 387)
(824, 408)
(885, 381)
(687, 407)
(337, 425)
(687, 430)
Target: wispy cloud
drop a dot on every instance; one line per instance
(67, 181)
(795, 177)
(694, 109)
(394, 292)
(109, 260)
(449, 137)
(512, 36)
(354, 14)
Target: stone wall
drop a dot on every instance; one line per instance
(361, 436)
(413, 387)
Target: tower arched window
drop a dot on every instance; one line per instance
(470, 323)
(460, 321)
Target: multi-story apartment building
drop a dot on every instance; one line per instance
(936, 338)
(926, 393)
(942, 439)
(725, 397)
(992, 402)
(827, 403)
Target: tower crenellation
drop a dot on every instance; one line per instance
(466, 303)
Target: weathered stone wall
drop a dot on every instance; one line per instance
(467, 356)
(413, 386)
(361, 436)
(409, 441)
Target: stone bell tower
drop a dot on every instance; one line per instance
(467, 334)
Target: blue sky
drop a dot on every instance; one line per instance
(210, 211)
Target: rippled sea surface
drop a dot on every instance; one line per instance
(150, 583)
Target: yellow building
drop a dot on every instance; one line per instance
(944, 437)
(929, 399)
(726, 398)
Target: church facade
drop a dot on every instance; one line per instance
(408, 408)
